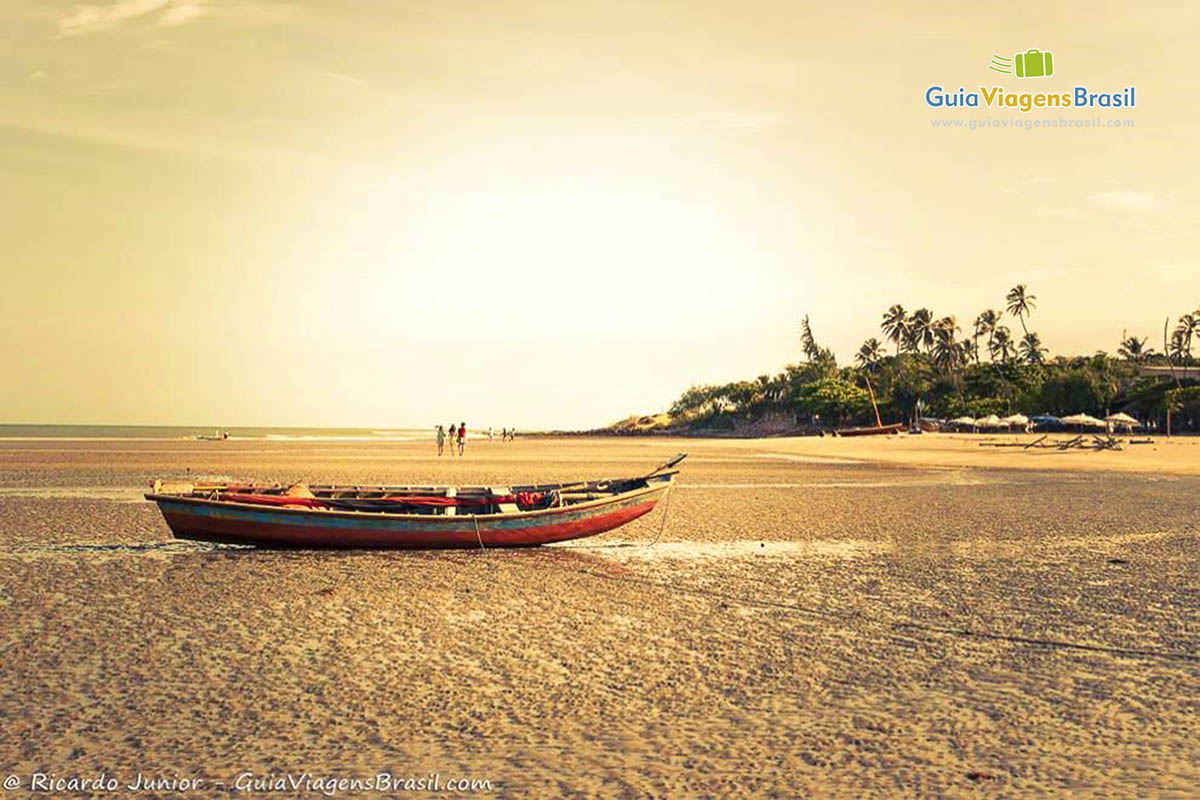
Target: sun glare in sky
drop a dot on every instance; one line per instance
(543, 215)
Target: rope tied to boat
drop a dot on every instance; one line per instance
(478, 536)
(662, 525)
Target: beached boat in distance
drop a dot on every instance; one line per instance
(876, 430)
(408, 516)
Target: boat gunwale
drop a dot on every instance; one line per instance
(440, 519)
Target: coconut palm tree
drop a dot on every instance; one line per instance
(1001, 344)
(820, 357)
(945, 332)
(1134, 349)
(985, 325)
(1188, 327)
(920, 330)
(808, 342)
(1177, 346)
(979, 328)
(1031, 349)
(946, 352)
(763, 389)
(895, 326)
(1021, 304)
(869, 355)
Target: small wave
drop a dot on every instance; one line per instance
(317, 437)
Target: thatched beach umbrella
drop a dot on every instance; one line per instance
(1016, 421)
(1083, 421)
(990, 421)
(1122, 419)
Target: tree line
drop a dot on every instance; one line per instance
(927, 365)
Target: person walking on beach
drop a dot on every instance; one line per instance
(453, 433)
(441, 439)
(462, 437)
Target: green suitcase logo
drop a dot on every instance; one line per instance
(1034, 64)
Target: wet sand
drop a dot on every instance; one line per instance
(813, 620)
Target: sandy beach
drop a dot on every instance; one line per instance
(1179, 455)
(825, 617)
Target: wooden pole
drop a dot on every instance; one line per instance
(874, 405)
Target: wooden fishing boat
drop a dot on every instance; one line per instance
(877, 430)
(408, 516)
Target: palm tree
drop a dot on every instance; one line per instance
(1032, 350)
(763, 389)
(1188, 327)
(1021, 304)
(1001, 344)
(948, 354)
(1177, 347)
(976, 332)
(1134, 349)
(895, 326)
(869, 354)
(979, 329)
(985, 325)
(920, 330)
(808, 342)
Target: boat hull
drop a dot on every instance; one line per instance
(237, 523)
(879, 430)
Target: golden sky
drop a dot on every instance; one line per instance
(554, 213)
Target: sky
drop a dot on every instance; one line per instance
(556, 214)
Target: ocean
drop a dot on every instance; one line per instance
(176, 432)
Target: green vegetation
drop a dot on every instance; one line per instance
(936, 371)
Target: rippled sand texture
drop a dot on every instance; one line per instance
(804, 626)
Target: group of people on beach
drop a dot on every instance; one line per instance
(458, 434)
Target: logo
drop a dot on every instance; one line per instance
(1032, 63)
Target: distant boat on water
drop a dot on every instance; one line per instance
(219, 436)
(408, 516)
